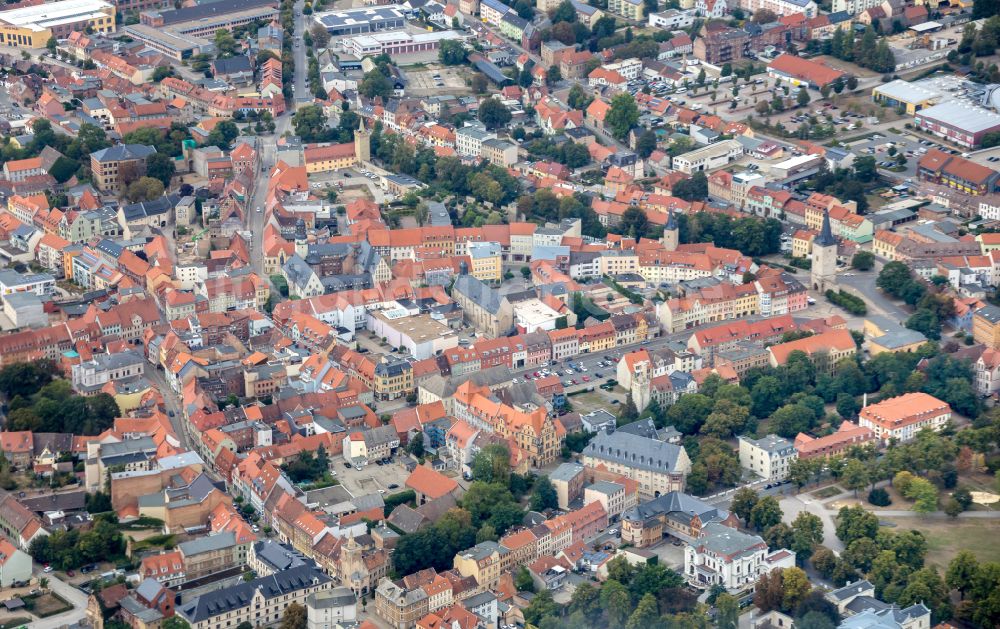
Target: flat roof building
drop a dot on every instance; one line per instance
(911, 96)
(362, 20)
(31, 27)
(961, 123)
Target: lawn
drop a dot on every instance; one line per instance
(828, 492)
(584, 403)
(13, 623)
(945, 538)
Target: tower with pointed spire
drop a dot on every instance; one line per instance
(824, 257)
(671, 233)
(362, 142)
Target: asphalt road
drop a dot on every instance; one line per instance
(863, 285)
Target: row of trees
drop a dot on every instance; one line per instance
(869, 51)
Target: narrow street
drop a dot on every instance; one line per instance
(268, 143)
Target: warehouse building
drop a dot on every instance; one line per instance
(32, 27)
(911, 96)
(961, 123)
(362, 20)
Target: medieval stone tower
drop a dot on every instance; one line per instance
(824, 258)
(671, 233)
(362, 143)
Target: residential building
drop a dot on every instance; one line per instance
(835, 444)
(115, 167)
(899, 419)
(634, 10)
(658, 467)
(675, 514)
(986, 326)
(261, 601)
(724, 556)
(15, 565)
(768, 457)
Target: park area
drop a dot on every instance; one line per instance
(947, 537)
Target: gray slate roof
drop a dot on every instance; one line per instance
(635, 451)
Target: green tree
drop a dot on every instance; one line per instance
(375, 84)
(451, 52)
(144, 189)
(578, 98)
(225, 43)
(543, 495)
(646, 144)
(492, 465)
(727, 611)
(25, 379)
(694, 188)
(493, 114)
(160, 167)
(863, 261)
(802, 98)
(622, 116)
(523, 581)
(766, 513)
(795, 586)
(162, 72)
(176, 622)
(294, 617)
(586, 599)
(634, 223)
(646, 614)
(807, 534)
(744, 500)
(855, 522)
(616, 603)
(962, 572)
(855, 475)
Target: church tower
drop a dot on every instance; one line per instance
(671, 233)
(362, 143)
(824, 257)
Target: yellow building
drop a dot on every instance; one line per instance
(988, 242)
(885, 335)
(321, 159)
(393, 378)
(618, 263)
(32, 27)
(911, 96)
(482, 562)
(986, 326)
(802, 242)
(487, 262)
(885, 243)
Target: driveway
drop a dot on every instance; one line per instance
(74, 596)
(792, 506)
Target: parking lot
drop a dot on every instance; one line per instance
(372, 478)
(435, 80)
